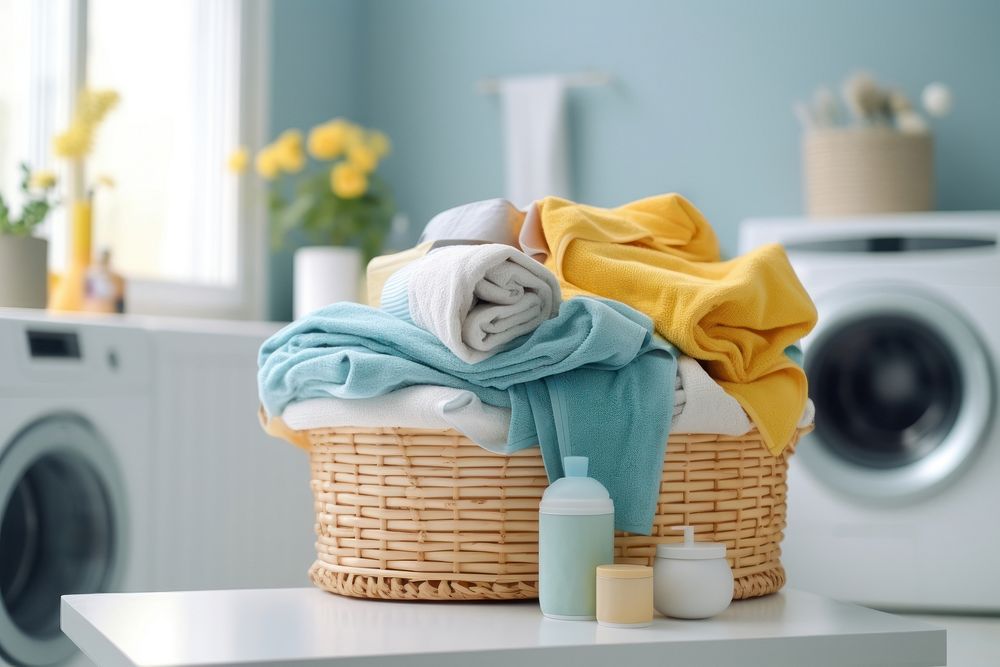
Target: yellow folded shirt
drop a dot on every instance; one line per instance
(660, 256)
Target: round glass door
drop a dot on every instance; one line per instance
(902, 388)
(889, 388)
(60, 532)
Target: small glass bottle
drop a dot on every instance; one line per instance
(104, 290)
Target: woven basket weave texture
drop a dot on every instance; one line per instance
(858, 171)
(412, 514)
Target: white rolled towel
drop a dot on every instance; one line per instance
(475, 298)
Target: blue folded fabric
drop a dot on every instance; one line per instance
(594, 381)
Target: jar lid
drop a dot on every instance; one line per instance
(689, 549)
(576, 493)
(624, 571)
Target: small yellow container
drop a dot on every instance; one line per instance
(625, 596)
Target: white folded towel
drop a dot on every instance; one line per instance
(475, 299)
(490, 220)
(419, 406)
(702, 406)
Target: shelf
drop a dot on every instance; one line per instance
(305, 626)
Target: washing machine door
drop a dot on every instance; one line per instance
(903, 391)
(62, 520)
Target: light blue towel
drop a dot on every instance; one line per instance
(594, 381)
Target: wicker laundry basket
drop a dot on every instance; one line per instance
(410, 514)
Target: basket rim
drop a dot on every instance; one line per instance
(752, 434)
(423, 576)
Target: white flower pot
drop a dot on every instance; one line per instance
(24, 278)
(323, 275)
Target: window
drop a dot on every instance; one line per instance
(34, 89)
(14, 87)
(189, 75)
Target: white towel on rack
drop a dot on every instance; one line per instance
(536, 137)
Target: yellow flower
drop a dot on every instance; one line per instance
(106, 181)
(347, 182)
(288, 151)
(363, 157)
(353, 135)
(238, 159)
(43, 179)
(326, 141)
(267, 163)
(290, 138)
(93, 105)
(91, 108)
(73, 143)
(290, 156)
(379, 142)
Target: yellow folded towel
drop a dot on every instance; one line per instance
(660, 256)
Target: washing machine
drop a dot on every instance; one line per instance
(131, 460)
(893, 498)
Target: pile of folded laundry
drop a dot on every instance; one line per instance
(580, 330)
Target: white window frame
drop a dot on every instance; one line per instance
(246, 299)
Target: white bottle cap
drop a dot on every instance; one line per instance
(576, 493)
(689, 549)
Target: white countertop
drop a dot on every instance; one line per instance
(973, 641)
(305, 626)
(154, 322)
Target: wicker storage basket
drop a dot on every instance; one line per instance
(857, 171)
(409, 514)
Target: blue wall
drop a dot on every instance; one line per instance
(316, 56)
(702, 99)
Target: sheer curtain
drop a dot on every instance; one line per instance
(172, 214)
(34, 92)
(192, 80)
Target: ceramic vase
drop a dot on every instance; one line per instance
(23, 272)
(323, 275)
(68, 291)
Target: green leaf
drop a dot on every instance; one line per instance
(34, 213)
(4, 216)
(362, 222)
(293, 213)
(36, 208)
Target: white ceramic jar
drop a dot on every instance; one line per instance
(692, 579)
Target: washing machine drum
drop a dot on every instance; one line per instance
(902, 388)
(61, 532)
